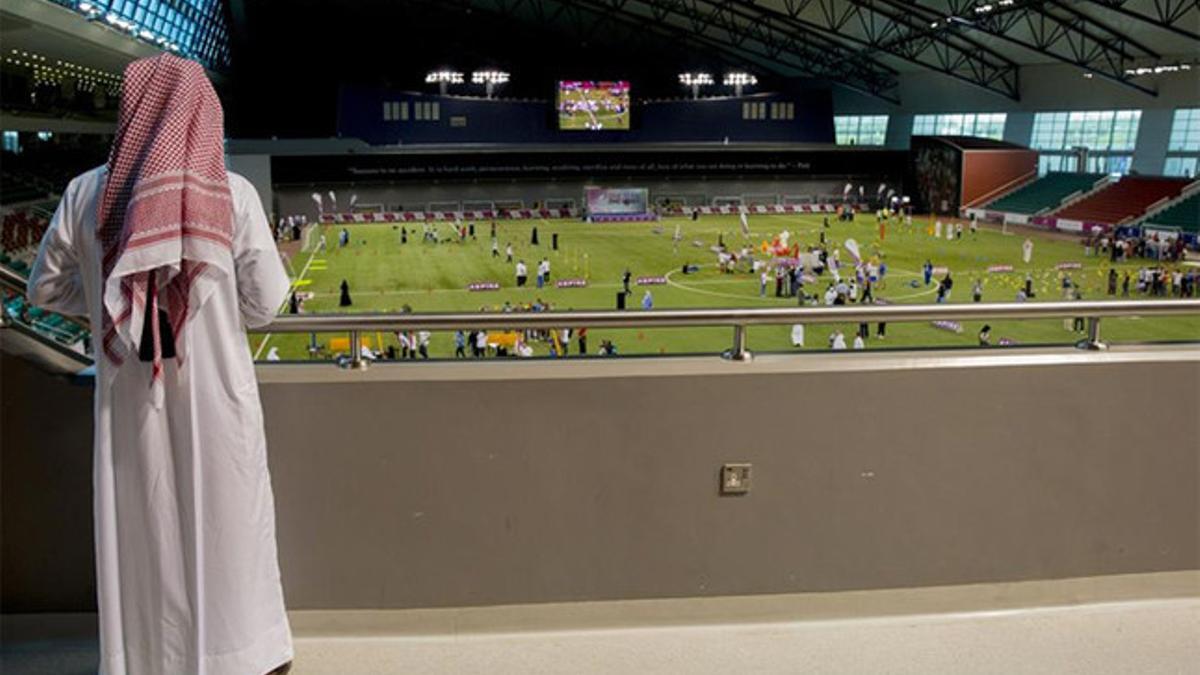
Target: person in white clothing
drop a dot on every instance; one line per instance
(423, 343)
(798, 335)
(172, 259)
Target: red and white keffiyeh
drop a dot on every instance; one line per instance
(165, 218)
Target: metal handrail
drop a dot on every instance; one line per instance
(737, 318)
(679, 318)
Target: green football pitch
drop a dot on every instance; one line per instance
(387, 276)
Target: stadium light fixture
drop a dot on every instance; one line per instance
(739, 81)
(695, 81)
(1158, 69)
(490, 79)
(443, 79)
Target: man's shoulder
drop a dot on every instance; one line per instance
(237, 179)
(87, 179)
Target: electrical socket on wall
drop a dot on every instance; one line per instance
(735, 478)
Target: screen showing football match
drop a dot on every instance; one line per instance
(593, 106)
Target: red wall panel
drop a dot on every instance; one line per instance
(989, 173)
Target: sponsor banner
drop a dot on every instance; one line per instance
(651, 281)
(1069, 225)
(446, 216)
(767, 209)
(1008, 342)
(1069, 266)
(952, 326)
(940, 271)
(484, 286)
(624, 218)
(571, 283)
(1000, 269)
(1016, 218)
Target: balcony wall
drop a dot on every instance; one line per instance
(448, 485)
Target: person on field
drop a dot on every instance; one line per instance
(460, 343)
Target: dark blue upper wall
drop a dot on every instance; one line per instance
(361, 113)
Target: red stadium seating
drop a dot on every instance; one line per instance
(21, 230)
(1127, 198)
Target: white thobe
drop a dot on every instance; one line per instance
(187, 571)
(797, 335)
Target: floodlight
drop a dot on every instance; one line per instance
(695, 81)
(489, 79)
(739, 80)
(444, 78)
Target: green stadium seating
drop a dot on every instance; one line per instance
(1184, 215)
(1044, 193)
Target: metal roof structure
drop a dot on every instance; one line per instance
(866, 44)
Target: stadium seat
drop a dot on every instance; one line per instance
(1044, 193)
(1184, 215)
(1125, 199)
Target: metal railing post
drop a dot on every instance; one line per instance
(1093, 341)
(739, 351)
(356, 359)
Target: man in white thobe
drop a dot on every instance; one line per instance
(187, 572)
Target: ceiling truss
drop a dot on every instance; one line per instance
(852, 41)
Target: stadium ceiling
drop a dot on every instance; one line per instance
(866, 44)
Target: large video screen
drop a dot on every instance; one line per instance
(593, 106)
(616, 201)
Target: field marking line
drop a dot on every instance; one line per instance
(267, 338)
(691, 288)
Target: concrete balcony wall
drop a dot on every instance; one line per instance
(430, 485)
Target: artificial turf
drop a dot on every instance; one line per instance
(387, 276)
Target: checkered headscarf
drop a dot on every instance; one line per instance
(166, 218)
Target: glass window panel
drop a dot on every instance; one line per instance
(861, 129)
(1185, 130)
